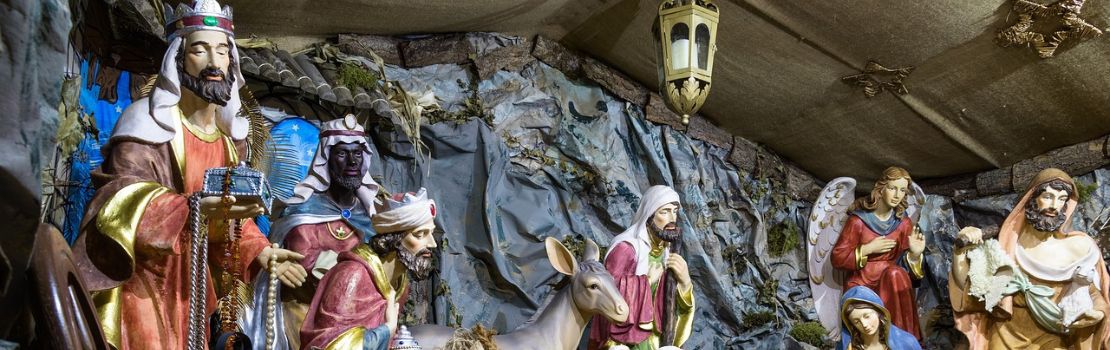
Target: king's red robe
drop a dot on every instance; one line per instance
(134, 248)
(880, 272)
(312, 239)
(350, 299)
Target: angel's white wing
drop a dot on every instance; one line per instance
(830, 212)
(916, 201)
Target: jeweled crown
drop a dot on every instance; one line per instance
(202, 15)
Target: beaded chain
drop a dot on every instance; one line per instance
(229, 309)
(271, 299)
(198, 273)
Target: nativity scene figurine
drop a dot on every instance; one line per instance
(135, 251)
(866, 324)
(359, 300)
(640, 261)
(328, 213)
(1040, 284)
(872, 242)
(558, 325)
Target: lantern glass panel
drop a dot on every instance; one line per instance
(680, 46)
(702, 39)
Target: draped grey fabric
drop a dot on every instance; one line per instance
(499, 200)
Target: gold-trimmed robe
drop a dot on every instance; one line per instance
(351, 300)
(133, 250)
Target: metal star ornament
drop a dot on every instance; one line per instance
(1062, 19)
(869, 79)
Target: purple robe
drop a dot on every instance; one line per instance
(643, 305)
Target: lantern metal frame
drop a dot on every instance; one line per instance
(685, 89)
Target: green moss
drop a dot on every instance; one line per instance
(766, 292)
(811, 333)
(353, 75)
(1085, 190)
(580, 178)
(454, 319)
(473, 108)
(407, 316)
(757, 319)
(734, 256)
(782, 238)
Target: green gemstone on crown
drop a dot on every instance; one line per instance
(210, 21)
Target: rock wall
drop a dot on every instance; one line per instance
(565, 147)
(32, 57)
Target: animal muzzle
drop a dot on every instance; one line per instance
(621, 311)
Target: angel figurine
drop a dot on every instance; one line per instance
(870, 241)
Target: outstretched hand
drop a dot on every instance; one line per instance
(224, 208)
(289, 271)
(971, 235)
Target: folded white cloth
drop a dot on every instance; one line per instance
(324, 262)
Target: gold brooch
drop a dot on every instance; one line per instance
(341, 233)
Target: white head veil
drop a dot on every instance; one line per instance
(345, 130)
(637, 233)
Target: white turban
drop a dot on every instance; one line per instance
(405, 211)
(637, 233)
(344, 130)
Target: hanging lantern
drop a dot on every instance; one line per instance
(686, 40)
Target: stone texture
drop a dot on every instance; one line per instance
(938, 222)
(770, 166)
(960, 186)
(1106, 147)
(1075, 159)
(657, 112)
(438, 49)
(388, 48)
(616, 82)
(126, 34)
(32, 58)
(994, 182)
(800, 184)
(744, 154)
(510, 58)
(702, 129)
(558, 56)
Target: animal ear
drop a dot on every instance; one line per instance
(592, 251)
(560, 257)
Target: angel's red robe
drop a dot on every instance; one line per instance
(881, 272)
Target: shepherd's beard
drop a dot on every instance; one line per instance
(670, 233)
(418, 265)
(1042, 222)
